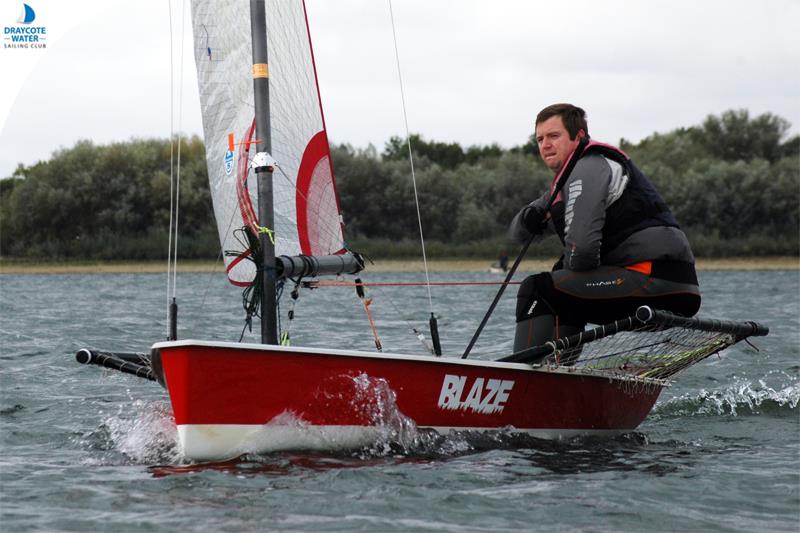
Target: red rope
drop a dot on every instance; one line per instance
(323, 283)
(367, 302)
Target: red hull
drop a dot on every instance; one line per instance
(213, 385)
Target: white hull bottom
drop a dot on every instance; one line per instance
(216, 442)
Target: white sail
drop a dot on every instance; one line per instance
(307, 216)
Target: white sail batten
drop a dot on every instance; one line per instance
(307, 215)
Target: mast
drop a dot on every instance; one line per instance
(269, 327)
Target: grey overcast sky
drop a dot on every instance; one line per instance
(474, 71)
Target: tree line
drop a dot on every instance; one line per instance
(733, 183)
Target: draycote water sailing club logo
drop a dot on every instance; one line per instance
(24, 34)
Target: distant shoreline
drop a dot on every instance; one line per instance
(391, 265)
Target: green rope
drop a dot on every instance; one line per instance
(269, 232)
(285, 339)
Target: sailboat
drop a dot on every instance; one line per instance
(276, 206)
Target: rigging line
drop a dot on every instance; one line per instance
(211, 275)
(411, 157)
(171, 157)
(178, 173)
(343, 308)
(416, 332)
(221, 255)
(385, 296)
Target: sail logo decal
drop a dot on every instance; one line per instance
(228, 162)
(481, 396)
(24, 34)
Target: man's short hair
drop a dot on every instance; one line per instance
(574, 118)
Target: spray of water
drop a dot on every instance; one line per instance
(741, 397)
(379, 402)
(144, 432)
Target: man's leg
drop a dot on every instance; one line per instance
(559, 304)
(609, 293)
(538, 320)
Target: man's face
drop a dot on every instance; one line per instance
(555, 146)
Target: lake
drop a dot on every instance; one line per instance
(90, 449)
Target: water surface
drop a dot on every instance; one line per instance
(84, 448)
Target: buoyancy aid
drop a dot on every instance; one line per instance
(640, 206)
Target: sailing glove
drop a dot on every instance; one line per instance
(533, 220)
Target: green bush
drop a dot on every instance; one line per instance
(733, 183)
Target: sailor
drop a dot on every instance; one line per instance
(623, 247)
(503, 261)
